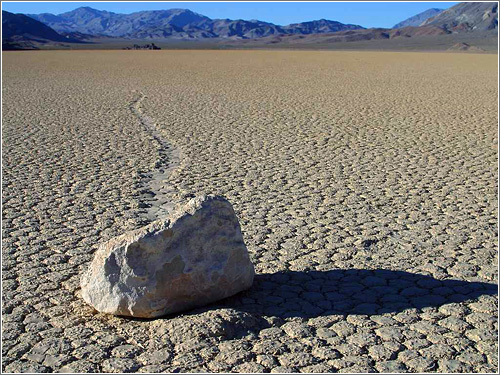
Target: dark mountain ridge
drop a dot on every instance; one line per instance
(20, 26)
(23, 32)
(318, 27)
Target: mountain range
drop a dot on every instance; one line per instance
(175, 23)
(86, 24)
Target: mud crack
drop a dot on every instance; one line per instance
(157, 193)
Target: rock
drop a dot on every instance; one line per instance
(193, 257)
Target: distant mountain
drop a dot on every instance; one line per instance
(347, 36)
(418, 19)
(467, 17)
(23, 32)
(319, 27)
(21, 27)
(241, 29)
(92, 21)
(175, 23)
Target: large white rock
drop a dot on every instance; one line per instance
(194, 256)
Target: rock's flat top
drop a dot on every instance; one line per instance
(194, 256)
(350, 172)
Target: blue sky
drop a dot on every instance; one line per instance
(367, 14)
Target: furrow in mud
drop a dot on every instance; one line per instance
(158, 194)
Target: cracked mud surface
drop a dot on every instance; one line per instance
(365, 184)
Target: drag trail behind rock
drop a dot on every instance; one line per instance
(158, 194)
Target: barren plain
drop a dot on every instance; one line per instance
(365, 184)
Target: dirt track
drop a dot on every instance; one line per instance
(365, 184)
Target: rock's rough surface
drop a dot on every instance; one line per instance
(193, 257)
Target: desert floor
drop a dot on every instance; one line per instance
(365, 184)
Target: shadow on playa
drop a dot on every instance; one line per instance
(354, 291)
(313, 294)
(277, 296)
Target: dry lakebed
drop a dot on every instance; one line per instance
(365, 184)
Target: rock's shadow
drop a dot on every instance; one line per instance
(311, 294)
(354, 291)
